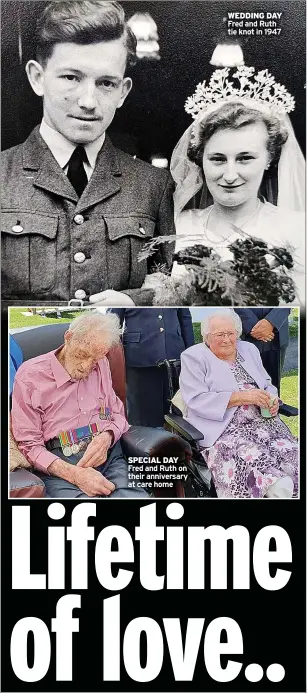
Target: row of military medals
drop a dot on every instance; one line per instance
(75, 440)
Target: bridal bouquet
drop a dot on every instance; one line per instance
(256, 275)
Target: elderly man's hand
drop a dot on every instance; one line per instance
(263, 330)
(93, 483)
(111, 298)
(97, 451)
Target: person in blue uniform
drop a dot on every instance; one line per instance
(268, 329)
(152, 335)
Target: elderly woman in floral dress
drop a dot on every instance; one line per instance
(230, 398)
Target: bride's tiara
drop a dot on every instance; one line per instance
(259, 88)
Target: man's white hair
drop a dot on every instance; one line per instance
(104, 326)
(227, 313)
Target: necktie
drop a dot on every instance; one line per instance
(76, 172)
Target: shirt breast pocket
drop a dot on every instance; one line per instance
(28, 252)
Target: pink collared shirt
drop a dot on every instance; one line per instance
(47, 401)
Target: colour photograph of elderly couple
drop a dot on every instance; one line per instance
(153, 247)
(154, 403)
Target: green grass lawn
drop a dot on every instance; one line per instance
(16, 319)
(289, 395)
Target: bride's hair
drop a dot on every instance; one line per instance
(234, 116)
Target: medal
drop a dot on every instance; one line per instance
(82, 445)
(74, 441)
(105, 413)
(94, 429)
(65, 443)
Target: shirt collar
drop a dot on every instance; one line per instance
(60, 374)
(62, 148)
(93, 148)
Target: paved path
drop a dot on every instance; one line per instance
(291, 360)
(15, 330)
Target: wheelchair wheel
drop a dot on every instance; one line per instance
(199, 482)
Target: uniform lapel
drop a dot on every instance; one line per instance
(49, 175)
(105, 180)
(37, 157)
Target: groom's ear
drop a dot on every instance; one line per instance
(35, 74)
(126, 88)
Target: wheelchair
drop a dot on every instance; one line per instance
(200, 482)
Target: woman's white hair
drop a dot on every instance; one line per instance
(105, 326)
(228, 313)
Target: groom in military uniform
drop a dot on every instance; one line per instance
(76, 210)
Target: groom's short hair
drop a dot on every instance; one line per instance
(83, 22)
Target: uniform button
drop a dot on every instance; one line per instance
(141, 230)
(79, 219)
(80, 293)
(160, 317)
(161, 329)
(17, 228)
(79, 257)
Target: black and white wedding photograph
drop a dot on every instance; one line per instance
(153, 152)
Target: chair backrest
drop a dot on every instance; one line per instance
(40, 340)
(16, 358)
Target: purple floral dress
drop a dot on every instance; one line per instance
(252, 452)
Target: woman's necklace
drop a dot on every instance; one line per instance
(240, 226)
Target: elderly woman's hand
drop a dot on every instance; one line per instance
(258, 397)
(274, 408)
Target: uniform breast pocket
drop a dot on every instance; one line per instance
(128, 235)
(28, 253)
(138, 226)
(131, 337)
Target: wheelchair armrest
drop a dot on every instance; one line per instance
(287, 410)
(183, 427)
(142, 441)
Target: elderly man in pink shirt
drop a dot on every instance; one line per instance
(67, 419)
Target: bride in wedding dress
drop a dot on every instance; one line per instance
(242, 155)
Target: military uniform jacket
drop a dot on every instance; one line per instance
(54, 244)
(278, 317)
(154, 334)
